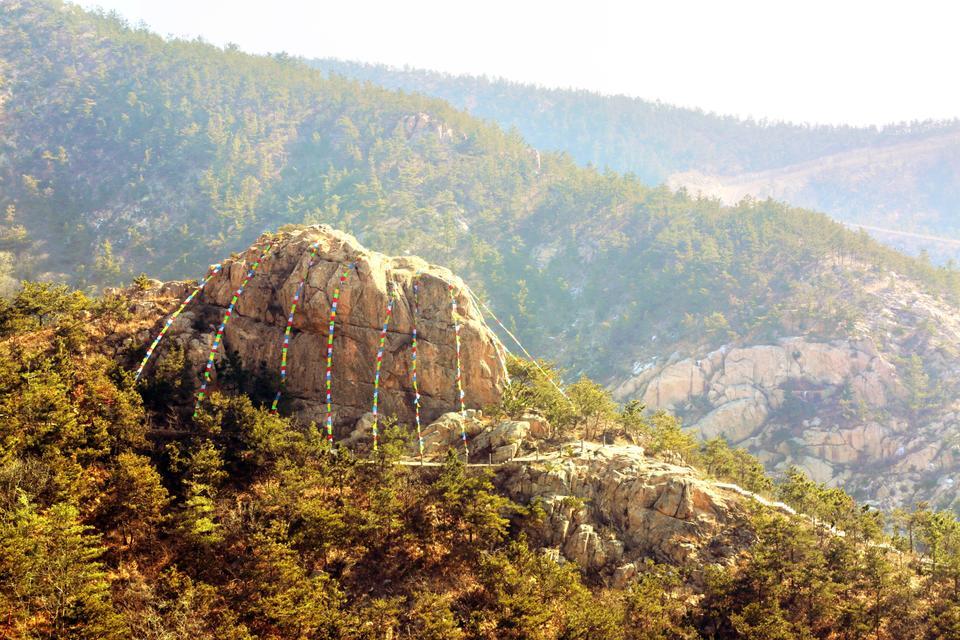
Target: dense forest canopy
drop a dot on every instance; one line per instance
(648, 138)
(903, 177)
(246, 525)
(123, 152)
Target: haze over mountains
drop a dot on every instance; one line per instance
(122, 152)
(291, 462)
(900, 182)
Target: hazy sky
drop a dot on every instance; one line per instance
(804, 61)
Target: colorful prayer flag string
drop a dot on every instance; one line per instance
(459, 379)
(286, 333)
(376, 377)
(223, 324)
(328, 378)
(413, 362)
(214, 270)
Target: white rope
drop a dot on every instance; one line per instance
(479, 303)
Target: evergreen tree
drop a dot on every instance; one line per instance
(52, 584)
(135, 500)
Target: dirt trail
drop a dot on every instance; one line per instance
(907, 234)
(782, 182)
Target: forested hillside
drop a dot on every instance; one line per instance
(246, 525)
(155, 507)
(651, 139)
(903, 177)
(122, 152)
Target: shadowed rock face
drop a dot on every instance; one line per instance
(255, 330)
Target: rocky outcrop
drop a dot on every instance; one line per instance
(489, 441)
(255, 331)
(445, 432)
(420, 124)
(873, 412)
(743, 393)
(502, 441)
(744, 385)
(612, 507)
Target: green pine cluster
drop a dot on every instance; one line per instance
(118, 521)
(124, 152)
(627, 134)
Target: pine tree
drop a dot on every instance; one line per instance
(52, 584)
(135, 500)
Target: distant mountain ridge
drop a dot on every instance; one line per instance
(122, 152)
(871, 186)
(908, 177)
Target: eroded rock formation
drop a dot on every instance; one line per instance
(255, 331)
(874, 412)
(614, 507)
(743, 386)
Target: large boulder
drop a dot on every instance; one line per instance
(613, 505)
(446, 431)
(507, 432)
(585, 547)
(676, 384)
(255, 331)
(539, 426)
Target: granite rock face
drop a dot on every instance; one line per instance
(869, 403)
(255, 330)
(743, 386)
(613, 506)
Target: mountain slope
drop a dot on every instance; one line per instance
(117, 521)
(914, 184)
(123, 152)
(903, 177)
